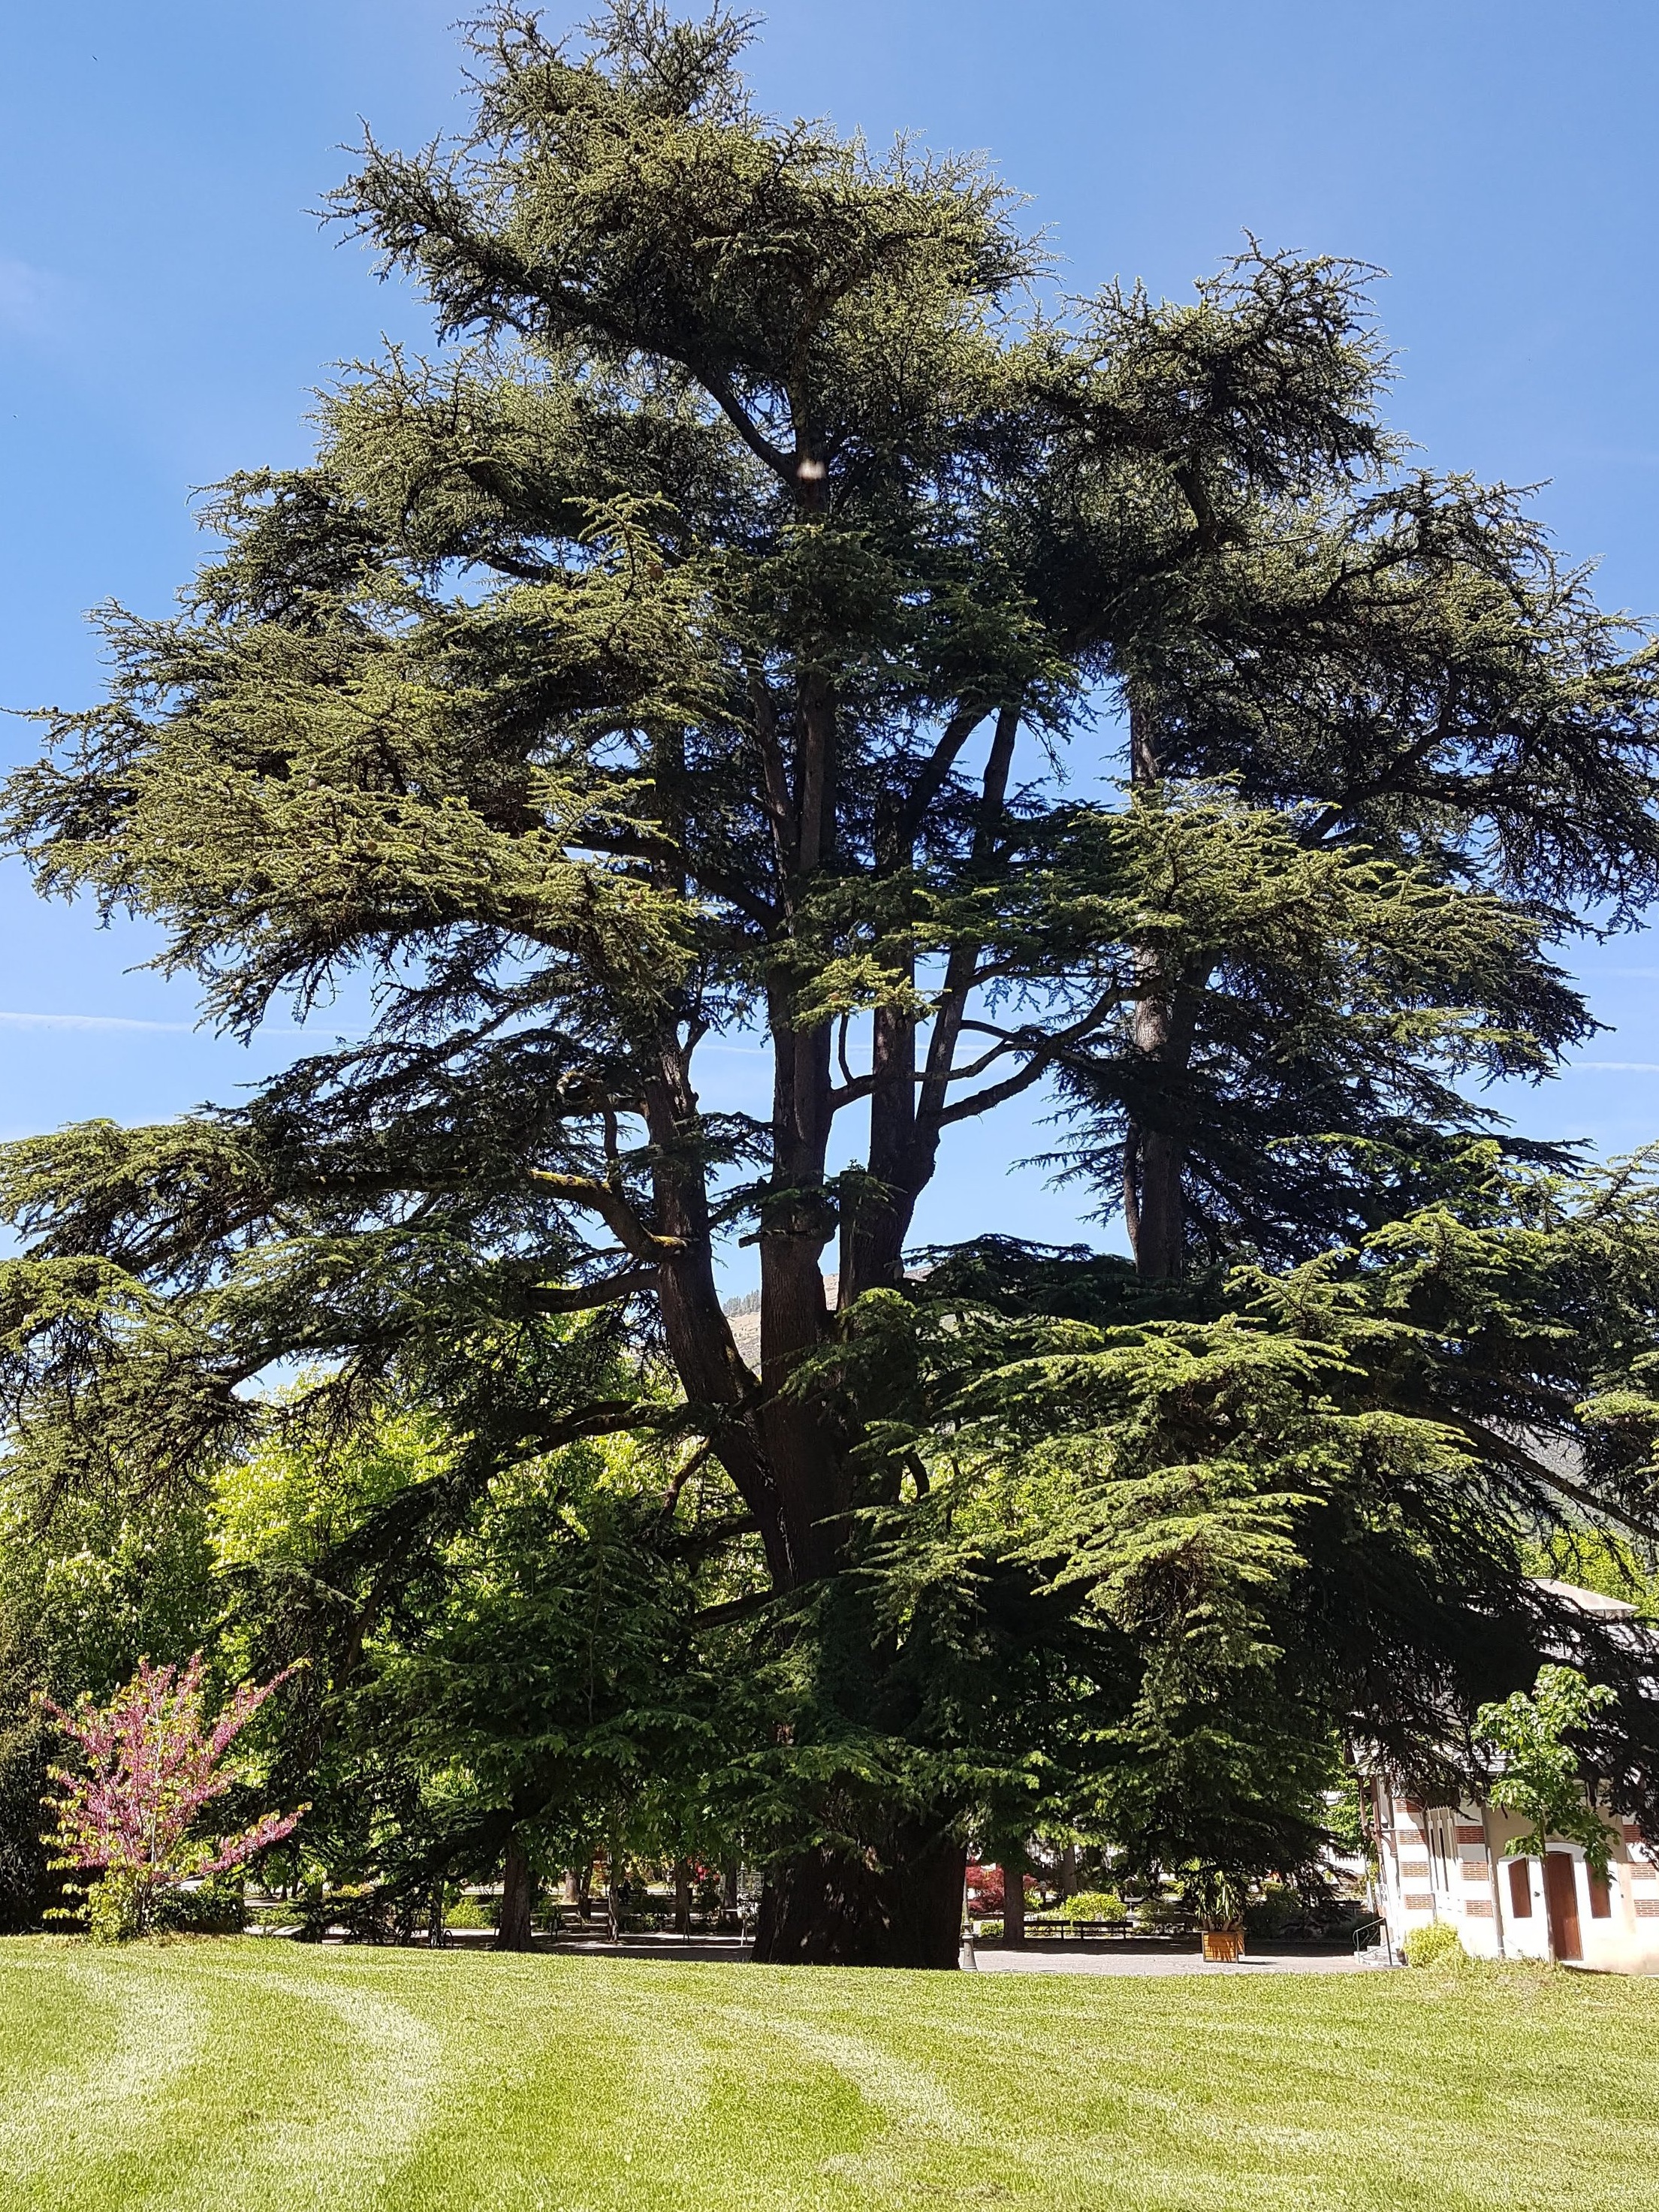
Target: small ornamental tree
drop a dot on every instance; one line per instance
(1540, 1779)
(152, 1767)
(984, 1887)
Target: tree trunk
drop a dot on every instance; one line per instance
(682, 1897)
(1154, 1196)
(899, 1902)
(1013, 1898)
(907, 1119)
(613, 1893)
(512, 1934)
(825, 1908)
(1154, 1202)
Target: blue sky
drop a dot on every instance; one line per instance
(166, 303)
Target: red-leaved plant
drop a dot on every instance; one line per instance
(152, 1767)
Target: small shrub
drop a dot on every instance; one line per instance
(214, 1907)
(111, 1908)
(1437, 1945)
(990, 1931)
(1164, 1911)
(274, 1912)
(1094, 1904)
(1277, 1909)
(361, 1911)
(150, 1766)
(467, 1912)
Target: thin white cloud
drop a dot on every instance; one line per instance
(32, 300)
(1614, 1067)
(87, 1022)
(22, 1021)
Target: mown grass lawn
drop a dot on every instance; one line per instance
(233, 2076)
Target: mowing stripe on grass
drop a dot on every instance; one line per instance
(113, 2044)
(236, 2077)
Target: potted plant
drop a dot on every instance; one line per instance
(1216, 1897)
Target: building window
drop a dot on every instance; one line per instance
(1521, 1889)
(1443, 1846)
(1600, 1896)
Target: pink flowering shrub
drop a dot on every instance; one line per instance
(152, 1767)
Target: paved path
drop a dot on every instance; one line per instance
(1121, 1958)
(1125, 1959)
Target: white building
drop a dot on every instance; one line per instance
(1447, 1863)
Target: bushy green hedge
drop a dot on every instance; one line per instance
(1437, 1945)
(1094, 1904)
(472, 1912)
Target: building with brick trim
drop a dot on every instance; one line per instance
(1448, 1864)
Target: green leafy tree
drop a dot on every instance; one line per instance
(537, 1672)
(1541, 1777)
(694, 653)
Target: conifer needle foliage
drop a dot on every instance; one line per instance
(717, 639)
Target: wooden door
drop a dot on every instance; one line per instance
(1521, 1889)
(1561, 1892)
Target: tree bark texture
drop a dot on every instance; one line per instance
(1161, 1030)
(1013, 1899)
(513, 1933)
(826, 1908)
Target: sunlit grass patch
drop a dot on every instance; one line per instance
(253, 2075)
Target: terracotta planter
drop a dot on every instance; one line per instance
(1224, 1946)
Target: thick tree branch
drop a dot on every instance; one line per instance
(775, 775)
(998, 1094)
(929, 785)
(1512, 1455)
(962, 969)
(719, 388)
(585, 1298)
(613, 1208)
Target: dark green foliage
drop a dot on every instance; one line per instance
(27, 1886)
(1306, 1513)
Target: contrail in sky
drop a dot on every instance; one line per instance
(87, 1022)
(18, 1021)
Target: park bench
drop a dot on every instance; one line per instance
(1084, 1931)
(1104, 1931)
